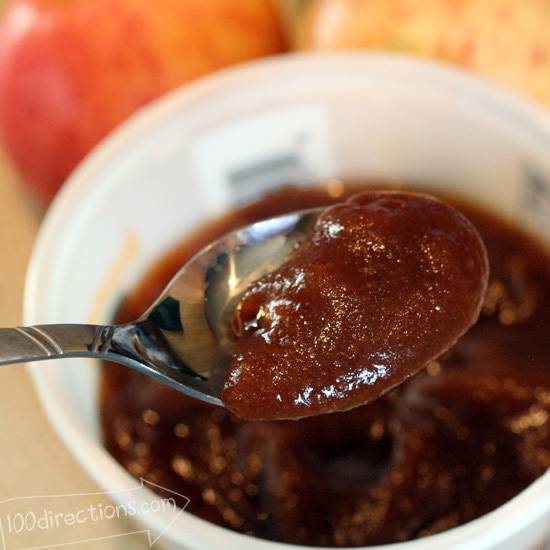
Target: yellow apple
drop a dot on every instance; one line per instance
(507, 40)
(72, 70)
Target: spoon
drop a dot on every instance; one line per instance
(184, 338)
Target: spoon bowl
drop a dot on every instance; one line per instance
(184, 338)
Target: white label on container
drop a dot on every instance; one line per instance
(251, 156)
(536, 199)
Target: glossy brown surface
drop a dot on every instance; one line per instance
(447, 446)
(386, 282)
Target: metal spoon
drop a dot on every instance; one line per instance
(184, 339)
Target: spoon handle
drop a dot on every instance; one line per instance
(138, 345)
(35, 343)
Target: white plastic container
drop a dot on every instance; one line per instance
(303, 118)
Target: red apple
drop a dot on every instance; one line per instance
(72, 70)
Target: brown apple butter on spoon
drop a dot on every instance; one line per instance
(386, 283)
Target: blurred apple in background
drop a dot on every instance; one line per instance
(72, 70)
(506, 40)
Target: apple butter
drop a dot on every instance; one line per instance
(385, 283)
(453, 442)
